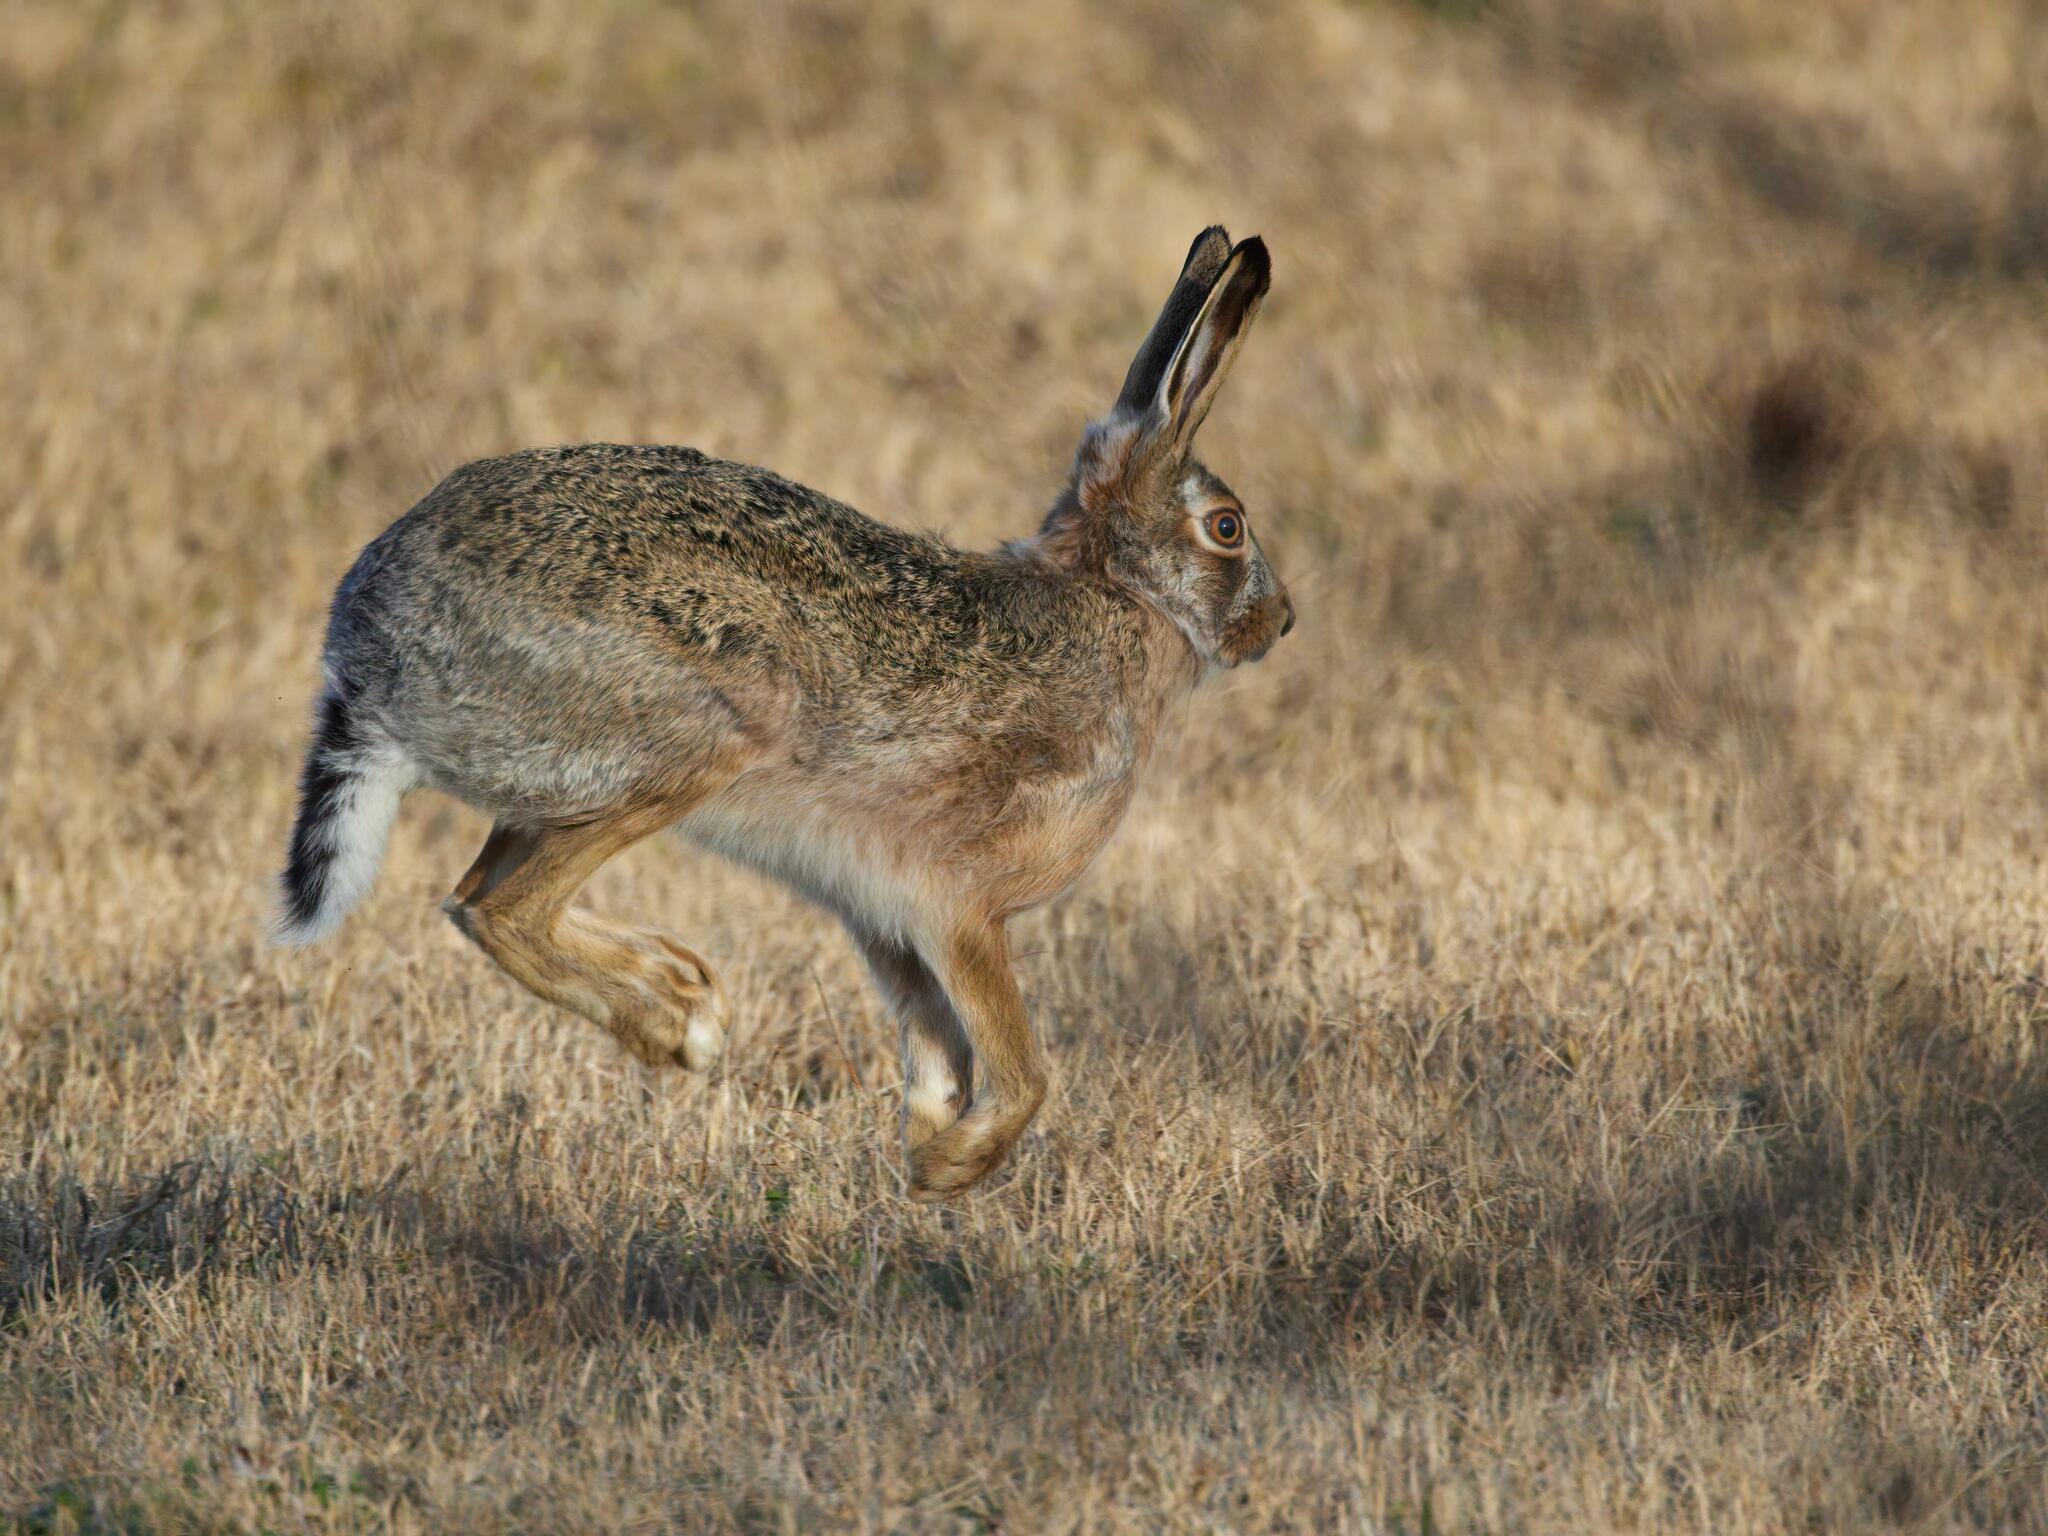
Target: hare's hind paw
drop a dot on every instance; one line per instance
(660, 1000)
(685, 1026)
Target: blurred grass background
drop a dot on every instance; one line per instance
(1555, 1047)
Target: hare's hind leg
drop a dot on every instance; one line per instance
(660, 1000)
(938, 1060)
(975, 970)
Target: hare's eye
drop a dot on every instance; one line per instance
(1226, 528)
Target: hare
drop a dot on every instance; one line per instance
(592, 644)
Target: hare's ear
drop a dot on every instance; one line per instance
(1205, 354)
(1197, 276)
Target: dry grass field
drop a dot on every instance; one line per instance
(1554, 1049)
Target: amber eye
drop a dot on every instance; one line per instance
(1226, 528)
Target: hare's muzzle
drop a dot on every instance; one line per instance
(1255, 633)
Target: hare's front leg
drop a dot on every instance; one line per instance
(938, 1061)
(974, 969)
(660, 1000)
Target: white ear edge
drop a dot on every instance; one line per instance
(1205, 354)
(1194, 348)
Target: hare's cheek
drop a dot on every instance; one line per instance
(1249, 587)
(1244, 581)
(1178, 580)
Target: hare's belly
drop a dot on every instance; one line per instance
(861, 870)
(895, 846)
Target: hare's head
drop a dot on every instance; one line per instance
(1140, 508)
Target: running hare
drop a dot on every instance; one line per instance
(593, 644)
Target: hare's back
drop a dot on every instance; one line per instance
(671, 534)
(563, 624)
(549, 631)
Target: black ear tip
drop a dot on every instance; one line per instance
(1210, 250)
(1257, 263)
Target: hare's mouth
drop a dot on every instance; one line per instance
(1250, 638)
(1236, 651)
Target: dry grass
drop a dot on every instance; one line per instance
(1555, 1047)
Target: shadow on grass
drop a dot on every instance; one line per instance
(1735, 1245)
(1805, 168)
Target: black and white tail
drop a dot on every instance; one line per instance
(348, 796)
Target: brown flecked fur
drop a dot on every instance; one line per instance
(597, 643)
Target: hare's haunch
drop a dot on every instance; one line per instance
(593, 644)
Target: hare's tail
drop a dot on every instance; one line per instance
(348, 796)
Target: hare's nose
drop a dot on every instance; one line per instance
(1287, 625)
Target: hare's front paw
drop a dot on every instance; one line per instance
(959, 1157)
(928, 1108)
